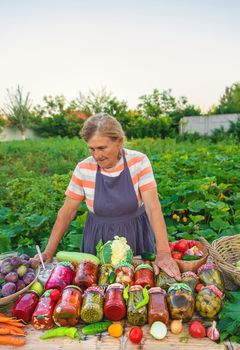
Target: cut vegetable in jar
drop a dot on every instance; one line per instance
(176, 326)
(136, 335)
(158, 330)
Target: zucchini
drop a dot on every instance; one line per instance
(76, 257)
(188, 257)
(97, 327)
(148, 256)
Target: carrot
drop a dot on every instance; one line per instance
(11, 321)
(16, 330)
(11, 340)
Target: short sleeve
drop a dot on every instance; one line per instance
(146, 176)
(75, 189)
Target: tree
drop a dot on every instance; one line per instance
(17, 110)
(230, 101)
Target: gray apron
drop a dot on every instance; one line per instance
(116, 213)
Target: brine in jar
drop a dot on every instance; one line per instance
(61, 276)
(92, 305)
(135, 316)
(157, 306)
(144, 275)
(104, 276)
(209, 301)
(181, 302)
(86, 274)
(114, 307)
(124, 273)
(209, 274)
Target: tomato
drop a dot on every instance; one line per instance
(172, 246)
(197, 329)
(177, 255)
(135, 335)
(55, 294)
(198, 287)
(181, 245)
(191, 243)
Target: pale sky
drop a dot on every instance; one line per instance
(129, 47)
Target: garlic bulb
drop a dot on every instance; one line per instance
(212, 332)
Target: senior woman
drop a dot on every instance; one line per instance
(120, 191)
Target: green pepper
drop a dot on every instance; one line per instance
(111, 277)
(125, 292)
(188, 257)
(145, 299)
(71, 332)
(148, 256)
(97, 327)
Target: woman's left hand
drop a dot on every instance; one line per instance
(165, 262)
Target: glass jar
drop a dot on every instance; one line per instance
(67, 310)
(181, 302)
(191, 279)
(157, 306)
(144, 275)
(61, 276)
(86, 274)
(164, 281)
(92, 305)
(105, 272)
(209, 274)
(25, 306)
(209, 301)
(124, 273)
(136, 317)
(114, 307)
(42, 315)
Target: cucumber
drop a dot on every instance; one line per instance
(188, 257)
(97, 327)
(76, 256)
(148, 256)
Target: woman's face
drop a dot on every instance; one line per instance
(104, 150)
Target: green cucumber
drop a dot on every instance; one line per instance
(97, 327)
(188, 257)
(75, 256)
(148, 256)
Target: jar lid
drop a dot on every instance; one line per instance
(157, 290)
(177, 286)
(135, 288)
(124, 263)
(144, 266)
(73, 286)
(207, 266)
(189, 274)
(94, 289)
(115, 285)
(214, 289)
(67, 264)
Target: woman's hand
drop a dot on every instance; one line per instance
(46, 255)
(165, 262)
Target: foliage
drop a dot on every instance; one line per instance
(229, 102)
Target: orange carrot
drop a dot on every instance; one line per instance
(11, 340)
(11, 321)
(9, 331)
(16, 330)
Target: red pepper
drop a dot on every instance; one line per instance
(177, 255)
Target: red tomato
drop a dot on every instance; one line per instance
(181, 245)
(172, 246)
(177, 255)
(191, 243)
(197, 329)
(55, 294)
(198, 287)
(135, 335)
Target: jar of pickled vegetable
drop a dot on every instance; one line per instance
(157, 306)
(191, 279)
(114, 307)
(164, 281)
(144, 275)
(124, 273)
(209, 274)
(181, 302)
(86, 274)
(137, 316)
(209, 301)
(92, 305)
(61, 276)
(67, 310)
(42, 315)
(25, 306)
(106, 275)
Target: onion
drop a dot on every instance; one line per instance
(158, 330)
(176, 326)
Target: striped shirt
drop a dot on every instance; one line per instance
(82, 184)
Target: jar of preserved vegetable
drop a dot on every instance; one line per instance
(42, 315)
(164, 281)
(124, 273)
(92, 305)
(61, 276)
(86, 274)
(157, 306)
(106, 275)
(144, 275)
(114, 307)
(25, 305)
(136, 316)
(67, 310)
(181, 302)
(209, 274)
(209, 301)
(191, 279)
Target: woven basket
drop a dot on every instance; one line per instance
(225, 252)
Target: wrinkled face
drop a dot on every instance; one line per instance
(104, 150)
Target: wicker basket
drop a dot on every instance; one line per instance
(225, 252)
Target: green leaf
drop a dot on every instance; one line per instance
(36, 221)
(197, 218)
(196, 206)
(98, 248)
(219, 225)
(5, 243)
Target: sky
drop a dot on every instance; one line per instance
(128, 47)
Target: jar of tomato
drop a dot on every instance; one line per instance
(25, 306)
(86, 274)
(105, 272)
(114, 307)
(124, 273)
(67, 310)
(61, 276)
(42, 315)
(157, 306)
(92, 305)
(144, 275)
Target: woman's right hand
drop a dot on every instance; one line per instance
(46, 255)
